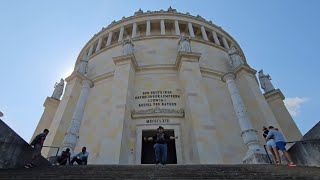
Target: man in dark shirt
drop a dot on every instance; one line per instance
(65, 156)
(160, 147)
(37, 144)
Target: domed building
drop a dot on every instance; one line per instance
(170, 69)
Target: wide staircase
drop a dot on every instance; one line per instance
(163, 172)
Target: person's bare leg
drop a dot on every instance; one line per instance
(288, 156)
(273, 155)
(275, 150)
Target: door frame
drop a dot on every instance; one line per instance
(176, 130)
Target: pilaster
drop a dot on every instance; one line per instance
(288, 126)
(117, 138)
(50, 107)
(201, 127)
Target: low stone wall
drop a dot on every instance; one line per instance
(14, 151)
(307, 153)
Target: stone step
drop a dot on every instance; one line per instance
(163, 172)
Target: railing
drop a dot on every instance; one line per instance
(21, 144)
(58, 148)
(302, 141)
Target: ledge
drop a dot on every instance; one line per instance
(157, 112)
(188, 57)
(119, 60)
(274, 94)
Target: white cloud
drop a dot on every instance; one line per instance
(294, 104)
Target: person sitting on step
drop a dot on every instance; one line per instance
(81, 158)
(65, 157)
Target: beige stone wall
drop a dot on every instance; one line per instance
(286, 123)
(96, 120)
(209, 129)
(228, 131)
(50, 106)
(258, 108)
(62, 117)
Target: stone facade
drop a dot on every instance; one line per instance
(217, 117)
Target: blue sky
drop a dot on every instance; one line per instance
(40, 40)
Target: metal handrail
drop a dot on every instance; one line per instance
(58, 148)
(301, 141)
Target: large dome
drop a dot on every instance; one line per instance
(169, 69)
(160, 27)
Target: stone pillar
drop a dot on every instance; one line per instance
(71, 137)
(225, 43)
(121, 34)
(134, 30)
(215, 38)
(99, 44)
(205, 148)
(90, 50)
(50, 107)
(288, 126)
(148, 28)
(162, 27)
(204, 33)
(116, 140)
(176, 27)
(109, 38)
(255, 153)
(191, 32)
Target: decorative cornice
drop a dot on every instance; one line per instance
(205, 70)
(274, 94)
(230, 74)
(103, 76)
(51, 101)
(74, 75)
(80, 77)
(119, 60)
(245, 68)
(186, 56)
(157, 112)
(209, 43)
(170, 14)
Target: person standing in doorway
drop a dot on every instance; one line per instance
(160, 147)
(37, 144)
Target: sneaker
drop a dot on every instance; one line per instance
(292, 164)
(30, 165)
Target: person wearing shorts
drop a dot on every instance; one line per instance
(280, 143)
(271, 145)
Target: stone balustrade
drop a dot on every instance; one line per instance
(159, 23)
